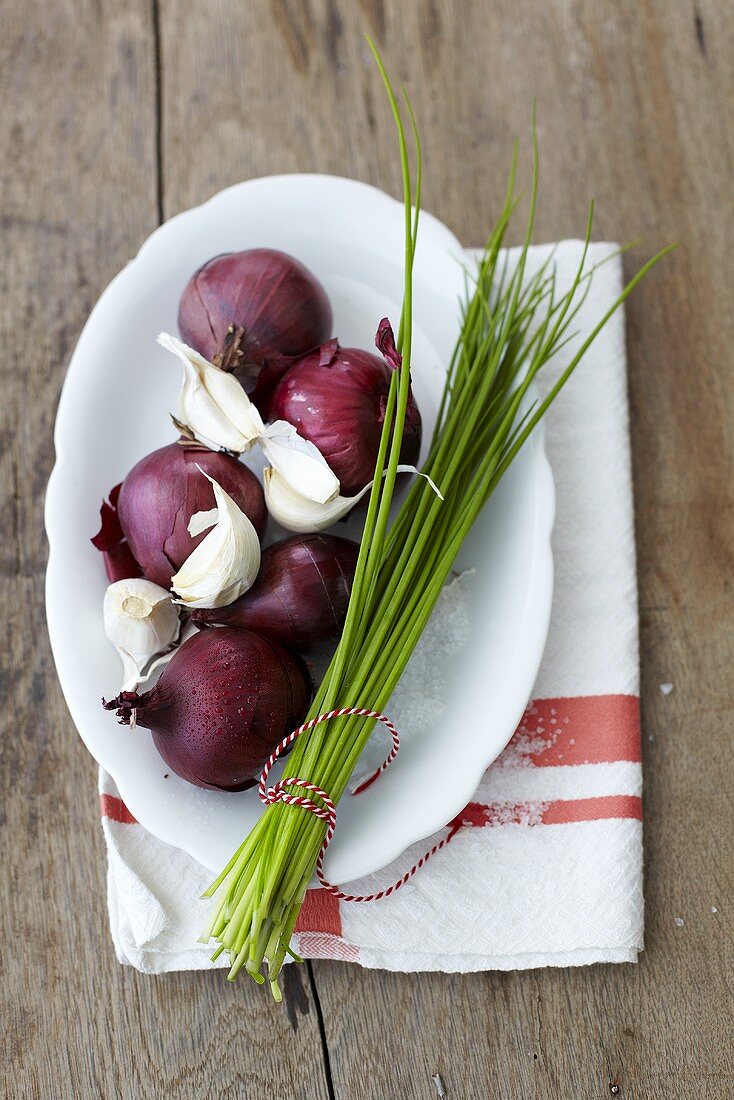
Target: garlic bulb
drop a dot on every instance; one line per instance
(226, 562)
(299, 462)
(212, 404)
(142, 622)
(298, 513)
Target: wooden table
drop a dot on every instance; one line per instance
(116, 115)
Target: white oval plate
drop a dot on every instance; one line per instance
(114, 409)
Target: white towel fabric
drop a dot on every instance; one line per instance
(548, 868)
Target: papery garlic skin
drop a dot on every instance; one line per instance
(212, 404)
(299, 462)
(142, 622)
(297, 513)
(226, 562)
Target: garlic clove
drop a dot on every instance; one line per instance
(226, 562)
(297, 513)
(202, 416)
(142, 622)
(211, 403)
(228, 395)
(299, 462)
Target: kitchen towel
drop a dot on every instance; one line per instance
(545, 868)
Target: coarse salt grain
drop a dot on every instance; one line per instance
(438, 1084)
(419, 699)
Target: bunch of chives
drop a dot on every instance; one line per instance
(511, 326)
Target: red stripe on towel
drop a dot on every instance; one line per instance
(562, 811)
(320, 913)
(603, 808)
(319, 945)
(115, 809)
(588, 729)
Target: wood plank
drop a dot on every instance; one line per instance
(78, 176)
(632, 110)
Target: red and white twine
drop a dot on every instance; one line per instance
(325, 808)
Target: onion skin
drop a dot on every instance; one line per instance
(119, 563)
(300, 596)
(163, 491)
(281, 306)
(336, 397)
(224, 701)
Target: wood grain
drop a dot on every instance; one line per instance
(634, 104)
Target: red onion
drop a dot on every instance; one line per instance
(281, 307)
(223, 702)
(159, 496)
(336, 397)
(119, 562)
(300, 596)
